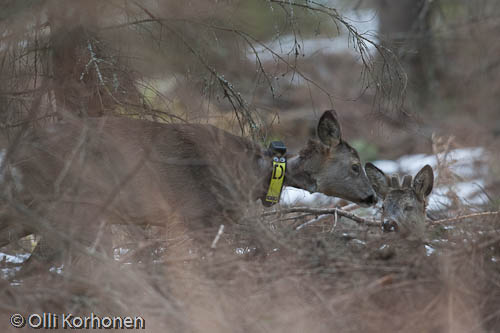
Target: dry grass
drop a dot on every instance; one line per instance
(294, 281)
(263, 274)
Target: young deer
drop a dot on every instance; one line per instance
(121, 170)
(404, 204)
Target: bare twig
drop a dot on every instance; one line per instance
(314, 220)
(463, 217)
(324, 211)
(361, 44)
(335, 221)
(217, 237)
(239, 104)
(349, 207)
(370, 222)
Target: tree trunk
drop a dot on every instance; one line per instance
(405, 27)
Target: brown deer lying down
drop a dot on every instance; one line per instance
(83, 173)
(404, 204)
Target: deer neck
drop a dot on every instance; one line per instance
(295, 176)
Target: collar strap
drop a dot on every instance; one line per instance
(278, 150)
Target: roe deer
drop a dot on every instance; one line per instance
(122, 170)
(404, 203)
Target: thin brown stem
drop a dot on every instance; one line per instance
(463, 217)
(324, 211)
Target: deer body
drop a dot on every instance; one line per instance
(139, 172)
(121, 170)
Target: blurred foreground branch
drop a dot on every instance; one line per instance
(239, 104)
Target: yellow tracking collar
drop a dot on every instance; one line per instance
(277, 180)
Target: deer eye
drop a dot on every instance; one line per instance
(408, 208)
(355, 168)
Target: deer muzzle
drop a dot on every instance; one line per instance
(389, 225)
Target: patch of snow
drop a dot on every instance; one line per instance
(477, 153)
(466, 163)
(411, 164)
(245, 250)
(387, 166)
(358, 241)
(384, 246)
(17, 259)
(429, 250)
(365, 21)
(117, 253)
(291, 196)
(464, 160)
(8, 272)
(57, 270)
(438, 199)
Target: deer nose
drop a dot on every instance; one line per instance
(370, 200)
(389, 225)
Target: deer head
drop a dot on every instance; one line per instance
(404, 203)
(331, 166)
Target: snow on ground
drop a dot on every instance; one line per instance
(17, 259)
(467, 164)
(464, 160)
(365, 21)
(292, 196)
(7, 272)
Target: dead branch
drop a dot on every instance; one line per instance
(360, 42)
(324, 211)
(314, 220)
(238, 103)
(463, 217)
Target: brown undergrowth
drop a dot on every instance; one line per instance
(352, 278)
(261, 274)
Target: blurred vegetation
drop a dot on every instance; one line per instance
(198, 61)
(99, 57)
(367, 151)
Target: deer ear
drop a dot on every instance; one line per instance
(378, 179)
(424, 181)
(329, 131)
